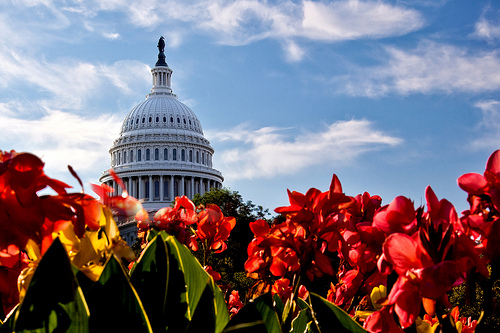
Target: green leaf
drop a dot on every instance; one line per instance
(332, 318)
(192, 279)
(113, 298)
(256, 316)
(301, 322)
(204, 316)
(53, 301)
(149, 277)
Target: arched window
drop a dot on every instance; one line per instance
(143, 120)
(131, 156)
(178, 120)
(157, 154)
(190, 156)
(171, 119)
(157, 119)
(148, 156)
(119, 157)
(197, 157)
(157, 189)
(139, 155)
(146, 185)
(150, 119)
(164, 119)
(137, 121)
(165, 154)
(202, 158)
(183, 155)
(174, 154)
(124, 157)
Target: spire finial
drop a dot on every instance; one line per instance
(161, 54)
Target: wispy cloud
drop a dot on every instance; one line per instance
(271, 151)
(429, 68)
(69, 83)
(60, 138)
(487, 29)
(489, 128)
(241, 22)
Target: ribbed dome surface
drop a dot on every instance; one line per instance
(161, 111)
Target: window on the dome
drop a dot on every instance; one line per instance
(197, 157)
(165, 154)
(139, 155)
(124, 157)
(119, 157)
(143, 120)
(178, 120)
(131, 156)
(190, 156)
(184, 121)
(202, 158)
(157, 154)
(157, 189)
(164, 119)
(174, 154)
(150, 119)
(189, 121)
(171, 119)
(137, 121)
(183, 155)
(157, 119)
(148, 156)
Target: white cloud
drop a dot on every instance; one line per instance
(59, 138)
(429, 68)
(487, 29)
(69, 83)
(489, 127)
(354, 19)
(269, 151)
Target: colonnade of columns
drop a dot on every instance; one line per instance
(164, 187)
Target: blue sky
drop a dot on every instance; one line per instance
(391, 96)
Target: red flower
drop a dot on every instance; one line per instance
(234, 305)
(215, 275)
(419, 277)
(214, 228)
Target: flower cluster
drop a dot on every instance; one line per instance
(30, 222)
(417, 254)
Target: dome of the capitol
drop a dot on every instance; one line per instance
(161, 152)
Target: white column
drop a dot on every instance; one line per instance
(171, 192)
(141, 188)
(161, 188)
(151, 188)
(182, 189)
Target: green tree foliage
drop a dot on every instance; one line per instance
(230, 263)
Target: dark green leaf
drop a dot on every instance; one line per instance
(150, 278)
(113, 298)
(191, 280)
(301, 322)
(331, 318)
(204, 315)
(257, 316)
(53, 301)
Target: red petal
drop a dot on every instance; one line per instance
(472, 183)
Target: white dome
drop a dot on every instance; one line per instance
(161, 151)
(163, 112)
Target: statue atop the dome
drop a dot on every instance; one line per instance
(161, 44)
(161, 54)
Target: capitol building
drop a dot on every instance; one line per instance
(161, 151)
